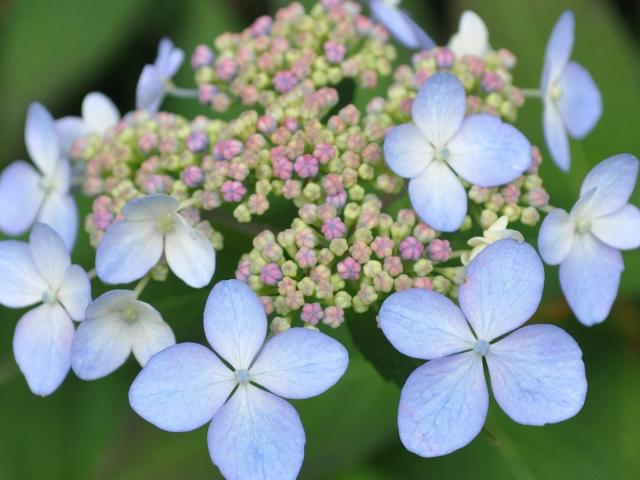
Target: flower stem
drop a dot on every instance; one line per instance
(142, 284)
(92, 274)
(532, 92)
(182, 92)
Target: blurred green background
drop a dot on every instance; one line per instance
(55, 52)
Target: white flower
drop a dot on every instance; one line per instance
(479, 148)
(587, 241)
(400, 24)
(40, 273)
(98, 115)
(116, 324)
(155, 79)
(497, 231)
(253, 433)
(152, 227)
(472, 37)
(28, 195)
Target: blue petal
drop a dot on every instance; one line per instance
(169, 58)
(69, 130)
(401, 26)
(407, 151)
(621, 229)
(556, 237)
(558, 49)
(49, 254)
(41, 138)
(60, 212)
(21, 197)
(580, 103)
(151, 90)
(21, 284)
(555, 135)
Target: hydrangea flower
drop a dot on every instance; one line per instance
(497, 231)
(586, 242)
(253, 433)
(29, 195)
(155, 80)
(572, 101)
(479, 148)
(400, 24)
(116, 324)
(536, 372)
(40, 273)
(98, 114)
(150, 228)
(472, 37)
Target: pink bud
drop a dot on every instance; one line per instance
(349, 269)
(192, 176)
(333, 228)
(270, 274)
(311, 313)
(411, 249)
(202, 56)
(306, 166)
(232, 191)
(439, 250)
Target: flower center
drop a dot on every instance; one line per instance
(46, 184)
(481, 347)
(443, 154)
(242, 376)
(556, 92)
(583, 225)
(49, 297)
(165, 224)
(129, 314)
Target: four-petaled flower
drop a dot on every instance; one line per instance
(155, 80)
(152, 226)
(537, 374)
(572, 101)
(480, 148)
(587, 241)
(253, 433)
(401, 25)
(472, 37)
(40, 273)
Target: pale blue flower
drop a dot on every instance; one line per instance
(536, 372)
(572, 101)
(117, 324)
(586, 242)
(472, 37)
(400, 24)
(41, 194)
(155, 80)
(150, 229)
(481, 149)
(253, 433)
(40, 273)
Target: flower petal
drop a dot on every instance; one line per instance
(128, 251)
(150, 334)
(69, 130)
(556, 236)
(590, 277)
(150, 207)
(20, 282)
(235, 323)
(537, 375)
(169, 58)
(555, 135)
(488, 152)
(424, 324)
(61, 213)
(502, 288)
(150, 90)
(401, 26)
(42, 347)
(619, 230)
(472, 37)
(41, 138)
(181, 388)
(99, 112)
(613, 180)
(407, 151)
(439, 198)
(581, 103)
(190, 254)
(75, 292)
(558, 49)
(439, 108)
(300, 363)
(49, 254)
(20, 197)
(257, 435)
(443, 405)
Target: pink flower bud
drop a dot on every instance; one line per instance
(306, 166)
(333, 316)
(382, 246)
(439, 250)
(202, 56)
(285, 81)
(349, 269)
(324, 152)
(333, 228)
(334, 52)
(311, 313)
(423, 282)
(192, 176)
(243, 272)
(411, 249)
(270, 274)
(232, 191)
(393, 266)
(197, 141)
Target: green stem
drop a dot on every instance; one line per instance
(142, 284)
(532, 92)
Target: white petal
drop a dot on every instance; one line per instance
(20, 282)
(581, 103)
(300, 363)
(537, 375)
(150, 333)
(42, 347)
(613, 180)
(407, 151)
(556, 237)
(150, 91)
(439, 108)
(590, 277)
(69, 130)
(60, 212)
(257, 435)
(75, 292)
(20, 197)
(558, 49)
(41, 138)
(424, 324)
(472, 37)
(619, 230)
(555, 135)
(235, 322)
(443, 405)
(99, 112)
(169, 58)
(489, 152)
(181, 388)
(439, 198)
(190, 254)
(502, 288)
(128, 251)
(150, 207)
(49, 254)
(401, 26)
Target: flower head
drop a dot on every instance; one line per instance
(479, 148)
(572, 101)
(155, 79)
(536, 372)
(253, 431)
(497, 231)
(472, 37)
(587, 241)
(403, 28)
(40, 273)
